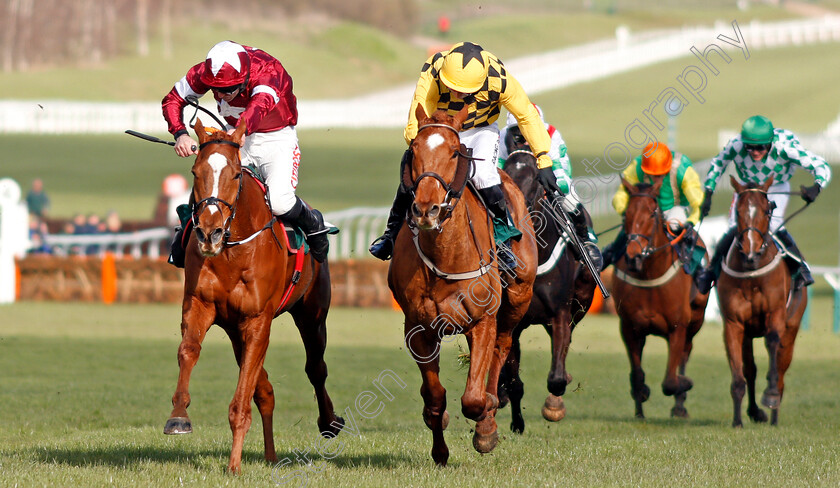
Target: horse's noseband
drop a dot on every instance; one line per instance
(765, 236)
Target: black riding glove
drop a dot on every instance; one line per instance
(809, 194)
(706, 206)
(548, 180)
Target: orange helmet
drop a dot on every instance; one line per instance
(656, 159)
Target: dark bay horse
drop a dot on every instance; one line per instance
(239, 274)
(563, 292)
(446, 280)
(655, 296)
(757, 300)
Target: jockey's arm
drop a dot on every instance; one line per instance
(693, 192)
(808, 160)
(621, 197)
(426, 94)
(532, 127)
(718, 165)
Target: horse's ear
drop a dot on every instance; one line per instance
(737, 186)
(239, 133)
(627, 185)
(420, 113)
(657, 186)
(460, 117)
(768, 182)
(200, 132)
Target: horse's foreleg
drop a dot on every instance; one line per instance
(772, 340)
(754, 412)
(561, 338)
(486, 431)
(263, 397)
(679, 409)
(195, 322)
(785, 358)
(733, 337)
(424, 346)
(475, 403)
(255, 335)
(675, 383)
(638, 389)
(314, 336)
(512, 385)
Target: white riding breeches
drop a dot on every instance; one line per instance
(484, 142)
(778, 194)
(277, 157)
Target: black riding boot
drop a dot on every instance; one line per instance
(383, 247)
(578, 215)
(804, 278)
(311, 222)
(504, 231)
(708, 275)
(614, 250)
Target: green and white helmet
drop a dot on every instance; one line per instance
(757, 130)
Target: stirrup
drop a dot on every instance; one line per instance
(504, 254)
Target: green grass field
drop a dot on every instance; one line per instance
(86, 390)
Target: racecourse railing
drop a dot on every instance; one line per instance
(142, 243)
(538, 73)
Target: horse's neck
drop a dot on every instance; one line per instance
(547, 227)
(252, 211)
(455, 243)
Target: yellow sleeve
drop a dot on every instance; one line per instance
(693, 192)
(621, 196)
(533, 129)
(426, 94)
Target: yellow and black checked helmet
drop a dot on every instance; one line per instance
(464, 68)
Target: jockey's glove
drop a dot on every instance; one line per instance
(547, 179)
(706, 206)
(809, 194)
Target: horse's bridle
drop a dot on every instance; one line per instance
(218, 202)
(648, 251)
(765, 236)
(454, 189)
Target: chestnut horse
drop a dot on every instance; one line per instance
(757, 300)
(239, 274)
(563, 292)
(655, 296)
(444, 277)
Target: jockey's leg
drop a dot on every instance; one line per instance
(804, 278)
(178, 246)
(614, 250)
(709, 275)
(383, 247)
(503, 229)
(311, 222)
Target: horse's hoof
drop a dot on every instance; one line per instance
(440, 457)
(680, 412)
(554, 410)
(332, 429)
(485, 443)
(177, 425)
(517, 426)
(771, 400)
(736, 424)
(758, 416)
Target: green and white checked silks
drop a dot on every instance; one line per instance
(785, 154)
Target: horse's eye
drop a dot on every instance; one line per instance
(237, 176)
(454, 155)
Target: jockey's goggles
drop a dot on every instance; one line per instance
(227, 90)
(757, 147)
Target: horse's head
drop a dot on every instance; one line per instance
(439, 170)
(752, 212)
(642, 222)
(521, 165)
(217, 181)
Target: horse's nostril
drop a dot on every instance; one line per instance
(434, 211)
(216, 237)
(199, 234)
(415, 210)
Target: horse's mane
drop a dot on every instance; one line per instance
(441, 117)
(643, 187)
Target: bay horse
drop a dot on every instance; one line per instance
(757, 299)
(240, 274)
(655, 296)
(445, 279)
(563, 292)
